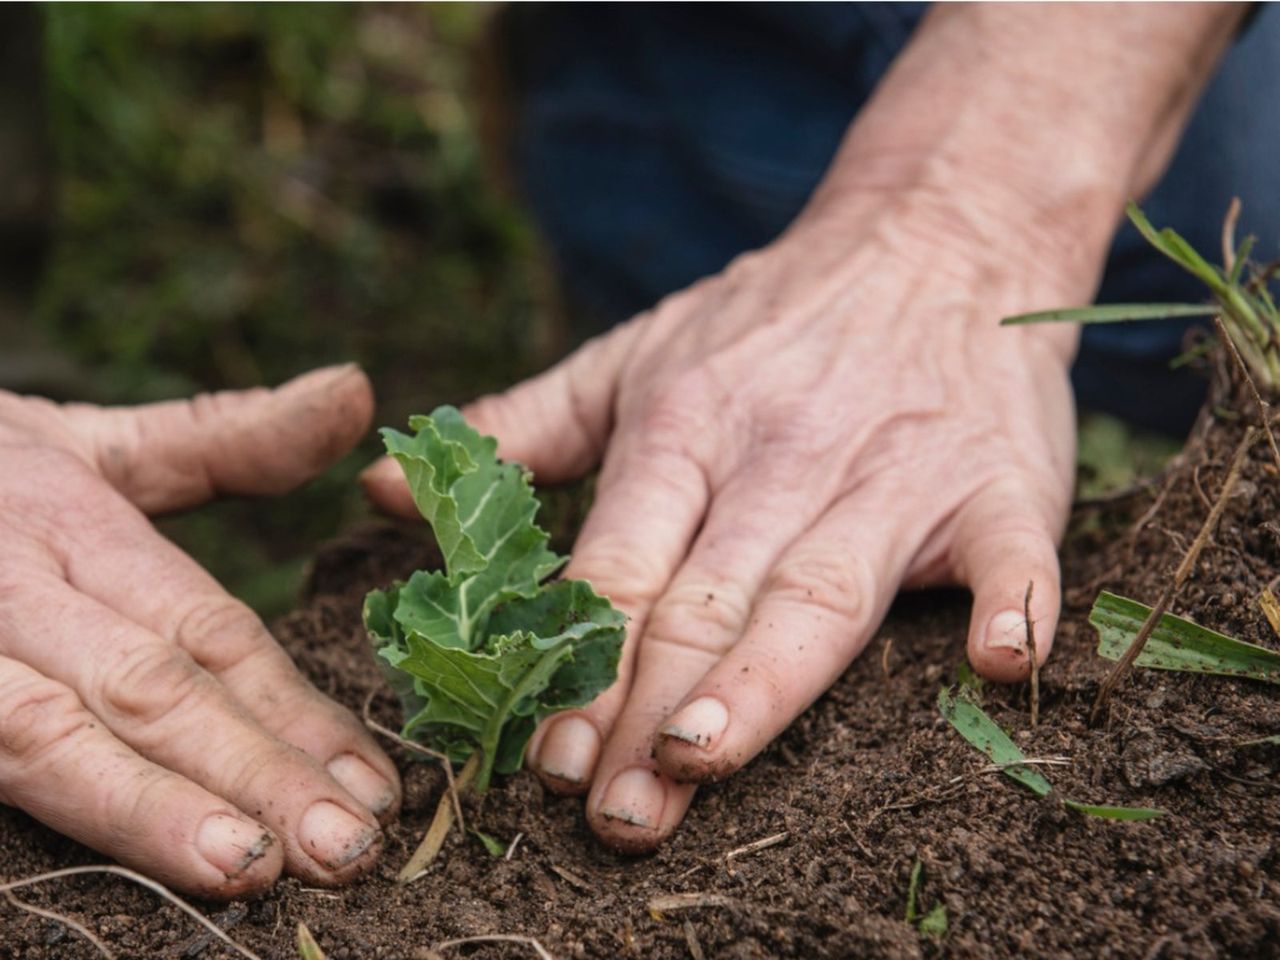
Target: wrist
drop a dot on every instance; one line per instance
(1030, 127)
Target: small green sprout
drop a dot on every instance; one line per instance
(934, 923)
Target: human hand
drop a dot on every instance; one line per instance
(143, 711)
(787, 444)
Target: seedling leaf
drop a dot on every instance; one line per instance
(1115, 313)
(480, 652)
(1114, 813)
(934, 923)
(491, 843)
(308, 949)
(972, 723)
(1177, 643)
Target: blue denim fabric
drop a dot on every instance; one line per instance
(656, 142)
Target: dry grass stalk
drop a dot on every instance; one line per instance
(1179, 576)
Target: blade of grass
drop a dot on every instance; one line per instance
(1177, 643)
(972, 723)
(913, 892)
(1169, 242)
(1242, 255)
(1114, 813)
(1114, 313)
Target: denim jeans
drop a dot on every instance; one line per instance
(656, 142)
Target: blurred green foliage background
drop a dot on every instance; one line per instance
(244, 192)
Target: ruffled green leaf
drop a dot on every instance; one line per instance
(482, 651)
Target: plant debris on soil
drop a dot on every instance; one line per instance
(865, 785)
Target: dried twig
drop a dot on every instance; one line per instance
(511, 850)
(754, 847)
(1229, 235)
(1264, 408)
(571, 878)
(691, 941)
(1031, 652)
(156, 888)
(673, 902)
(538, 948)
(1179, 576)
(439, 829)
(63, 919)
(445, 762)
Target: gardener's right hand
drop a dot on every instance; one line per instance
(143, 711)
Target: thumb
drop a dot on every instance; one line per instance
(165, 456)
(1004, 544)
(556, 423)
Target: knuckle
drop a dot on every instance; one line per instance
(37, 716)
(221, 632)
(151, 683)
(631, 578)
(744, 264)
(263, 767)
(840, 584)
(699, 616)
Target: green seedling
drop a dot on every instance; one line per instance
(491, 843)
(482, 651)
(1249, 317)
(1177, 643)
(934, 923)
(972, 723)
(308, 949)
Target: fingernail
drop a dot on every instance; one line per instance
(332, 836)
(1008, 631)
(635, 796)
(362, 782)
(232, 844)
(569, 750)
(699, 722)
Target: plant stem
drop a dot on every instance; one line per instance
(1179, 576)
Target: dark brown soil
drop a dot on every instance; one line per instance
(870, 780)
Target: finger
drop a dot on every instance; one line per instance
(1005, 541)
(155, 698)
(700, 616)
(556, 423)
(816, 612)
(165, 456)
(650, 501)
(66, 770)
(124, 564)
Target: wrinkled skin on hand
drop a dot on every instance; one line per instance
(783, 447)
(143, 711)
